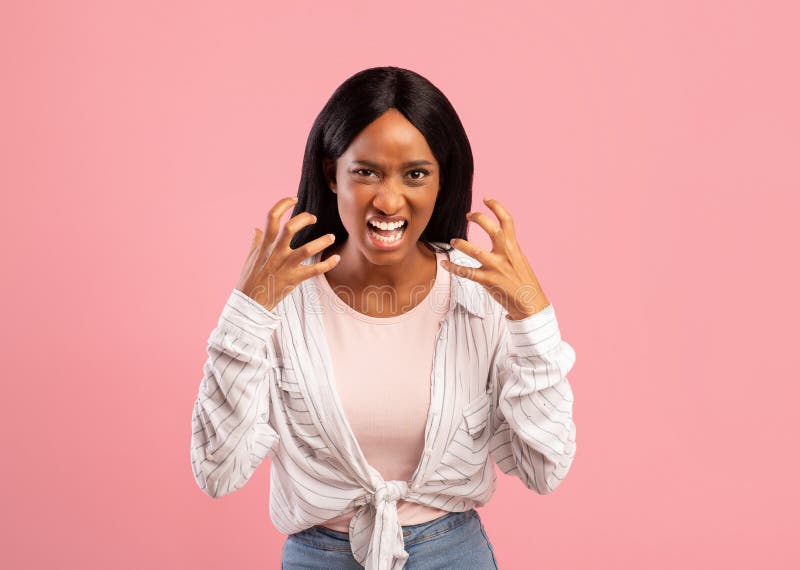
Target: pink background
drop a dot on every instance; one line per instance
(650, 150)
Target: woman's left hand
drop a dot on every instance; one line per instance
(504, 271)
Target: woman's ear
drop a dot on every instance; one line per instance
(329, 170)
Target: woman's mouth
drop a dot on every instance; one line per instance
(388, 238)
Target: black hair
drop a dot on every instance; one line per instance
(356, 103)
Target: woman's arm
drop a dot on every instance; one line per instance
(230, 430)
(533, 432)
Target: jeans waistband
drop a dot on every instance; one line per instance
(411, 533)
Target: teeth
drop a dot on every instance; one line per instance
(386, 225)
(388, 239)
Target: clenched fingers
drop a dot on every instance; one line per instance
(290, 228)
(311, 248)
(273, 223)
(321, 267)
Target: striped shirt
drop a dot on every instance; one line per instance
(499, 395)
(387, 405)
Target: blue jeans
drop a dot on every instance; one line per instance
(454, 540)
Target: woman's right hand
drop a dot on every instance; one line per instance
(273, 268)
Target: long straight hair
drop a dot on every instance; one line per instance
(356, 103)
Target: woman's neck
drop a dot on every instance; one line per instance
(357, 272)
(382, 290)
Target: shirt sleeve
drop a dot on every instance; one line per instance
(230, 430)
(533, 435)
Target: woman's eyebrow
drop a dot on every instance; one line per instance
(404, 165)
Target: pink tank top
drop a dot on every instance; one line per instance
(382, 371)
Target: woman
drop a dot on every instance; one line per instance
(377, 356)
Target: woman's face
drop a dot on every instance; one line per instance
(387, 174)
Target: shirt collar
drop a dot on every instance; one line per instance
(466, 292)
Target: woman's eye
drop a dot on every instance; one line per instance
(417, 174)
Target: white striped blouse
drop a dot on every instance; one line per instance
(499, 395)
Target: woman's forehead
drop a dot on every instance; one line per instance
(389, 141)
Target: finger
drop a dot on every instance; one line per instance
(472, 273)
(311, 248)
(502, 214)
(290, 228)
(254, 242)
(321, 267)
(273, 222)
(472, 250)
(492, 228)
(253, 248)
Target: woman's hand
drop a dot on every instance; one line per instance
(504, 271)
(272, 268)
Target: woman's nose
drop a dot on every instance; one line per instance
(389, 198)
